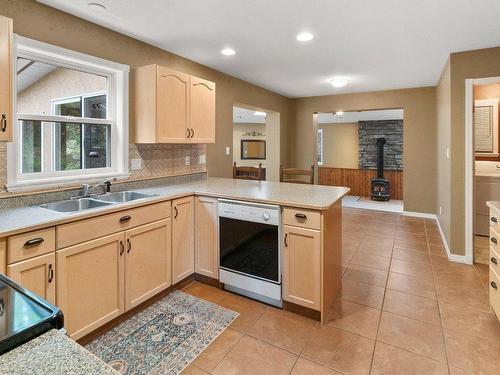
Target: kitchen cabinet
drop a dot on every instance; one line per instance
(182, 238)
(6, 77)
(206, 237)
(3, 256)
(171, 107)
(494, 293)
(302, 266)
(90, 283)
(37, 275)
(147, 261)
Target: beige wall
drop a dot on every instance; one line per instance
(340, 145)
(238, 131)
(37, 21)
(419, 137)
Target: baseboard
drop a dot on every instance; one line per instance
(419, 214)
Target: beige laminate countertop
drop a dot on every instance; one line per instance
(316, 197)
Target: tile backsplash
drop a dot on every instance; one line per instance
(157, 160)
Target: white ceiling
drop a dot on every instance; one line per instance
(355, 116)
(380, 44)
(246, 116)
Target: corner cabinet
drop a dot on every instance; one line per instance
(182, 238)
(6, 70)
(171, 107)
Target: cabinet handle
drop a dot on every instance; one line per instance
(494, 240)
(122, 248)
(493, 260)
(188, 133)
(286, 240)
(176, 212)
(493, 285)
(125, 219)
(51, 273)
(4, 122)
(192, 133)
(301, 216)
(129, 245)
(33, 242)
(494, 219)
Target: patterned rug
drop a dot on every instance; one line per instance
(163, 338)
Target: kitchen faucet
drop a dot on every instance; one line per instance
(87, 189)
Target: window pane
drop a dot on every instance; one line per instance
(95, 106)
(71, 107)
(31, 146)
(97, 146)
(68, 146)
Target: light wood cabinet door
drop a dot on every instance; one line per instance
(182, 238)
(37, 275)
(147, 261)
(90, 283)
(206, 237)
(5, 79)
(202, 111)
(302, 267)
(172, 95)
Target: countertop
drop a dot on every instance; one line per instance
(494, 204)
(52, 353)
(316, 197)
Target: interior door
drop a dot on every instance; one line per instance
(5, 79)
(202, 110)
(147, 261)
(182, 238)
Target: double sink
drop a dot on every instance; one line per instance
(83, 204)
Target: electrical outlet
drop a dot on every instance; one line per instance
(203, 159)
(135, 164)
(187, 160)
(228, 150)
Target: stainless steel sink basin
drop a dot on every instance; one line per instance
(74, 205)
(123, 196)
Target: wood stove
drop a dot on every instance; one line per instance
(380, 187)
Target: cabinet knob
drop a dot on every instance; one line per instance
(125, 219)
(493, 285)
(493, 260)
(3, 122)
(494, 219)
(494, 240)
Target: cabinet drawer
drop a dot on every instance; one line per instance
(31, 244)
(494, 219)
(494, 260)
(89, 229)
(302, 218)
(494, 239)
(494, 292)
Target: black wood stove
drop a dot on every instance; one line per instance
(380, 187)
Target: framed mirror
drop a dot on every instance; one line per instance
(252, 149)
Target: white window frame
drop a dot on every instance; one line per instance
(118, 107)
(490, 103)
(320, 152)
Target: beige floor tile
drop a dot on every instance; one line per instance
(472, 354)
(412, 269)
(438, 250)
(356, 318)
(364, 294)
(411, 306)
(456, 371)
(366, 275)
(470, 321)
(339, 350)
(389, 360)
(283, 330)
(411, 256)
(412, 245)
(483, 272)
(370, 260)
(252, 356)
(376, 248)
(204, 291)
(217, 350)
(412, 285)
(463, 292)
(250, 311)
(377, 241)
(417, 337)
(193, 370)
(305, 367)
(435, 240)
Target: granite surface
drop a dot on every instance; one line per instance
(52, 353)
(317, 197)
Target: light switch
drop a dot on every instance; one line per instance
(228, 150)
(135, 164)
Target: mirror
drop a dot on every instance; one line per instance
(253, 149)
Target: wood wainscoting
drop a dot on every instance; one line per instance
(359, 180)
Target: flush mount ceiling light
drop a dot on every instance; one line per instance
(339, 82)
(305, 37)
(228, 51)
(97, 7)
(259, 113)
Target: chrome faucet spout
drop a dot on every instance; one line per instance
(87, 189)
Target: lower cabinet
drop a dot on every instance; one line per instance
(302, 266)
(182, 238)
(206, 237)
(37, 275)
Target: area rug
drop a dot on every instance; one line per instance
(163, 338)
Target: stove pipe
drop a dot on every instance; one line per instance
(380, 157)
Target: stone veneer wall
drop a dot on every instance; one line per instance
(392, 131)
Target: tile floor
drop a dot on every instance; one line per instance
(405, 309)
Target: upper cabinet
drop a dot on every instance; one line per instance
(5, 79)
(171, 107)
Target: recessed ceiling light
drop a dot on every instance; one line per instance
(339, 113)
(339, 82)
(305, 37)
(228, 51)
(259, 113)
(97, 7)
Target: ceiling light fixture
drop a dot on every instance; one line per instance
(97, 7)
(339, 82)
(259, 113)
(228, 52)
(305, 37)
